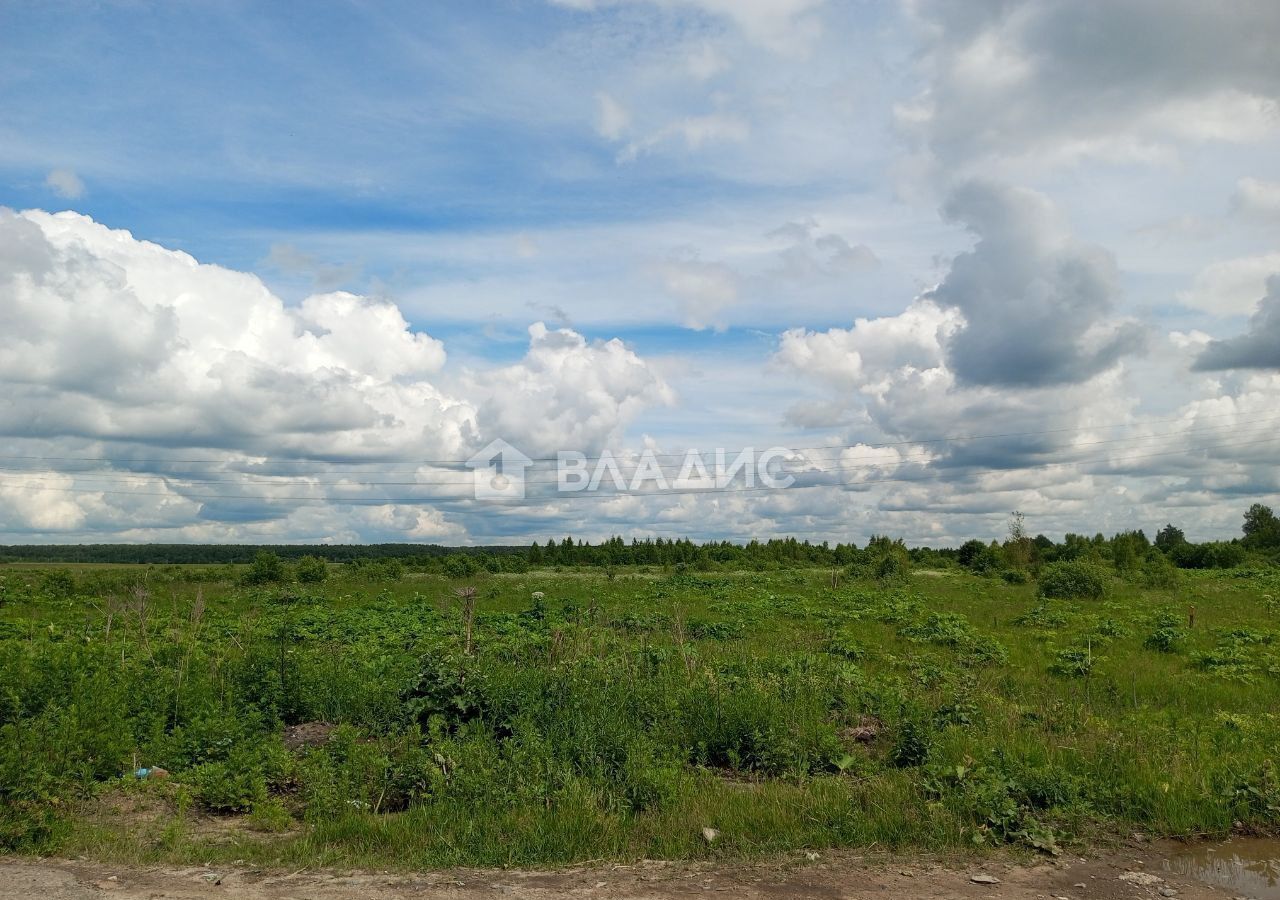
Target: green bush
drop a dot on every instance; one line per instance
(227, 786)
(1073, 580)
(886, 560)
(311, 570)
(460, 565)
(266, 568)
(389, 569)
(893, 567)
(1160, 572)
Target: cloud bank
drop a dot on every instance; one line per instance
(116, 348)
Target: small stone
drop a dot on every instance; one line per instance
(709, 835)
(984, 879)
(1168, 892)
(1080, 884)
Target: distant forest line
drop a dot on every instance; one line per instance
(1259, 542)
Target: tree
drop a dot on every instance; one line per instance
(977, 557)
(1128, 549)
(1018, 549)
(1261, 527)
(1170, 537)
(889, 559)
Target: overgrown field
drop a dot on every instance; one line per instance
(547, 717)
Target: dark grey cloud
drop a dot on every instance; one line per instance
(1037, 304)
(1258, 348)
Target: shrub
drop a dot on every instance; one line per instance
(771, 726)
(459, 565)
(893, 567)
(311, 570)
(887, 560)
(388, 569)
(266, 568)
(227, 787)
(1073, 580)
(1159, 572)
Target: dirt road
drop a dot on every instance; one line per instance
(1135, 874)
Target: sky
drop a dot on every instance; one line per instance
(274, 272)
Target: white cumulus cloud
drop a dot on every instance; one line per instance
(145, 360)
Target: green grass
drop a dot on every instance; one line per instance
(620, 715)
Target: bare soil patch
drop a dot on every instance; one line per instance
(1136, 873)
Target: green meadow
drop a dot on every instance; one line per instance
(369, 715)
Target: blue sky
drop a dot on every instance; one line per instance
(808, 222)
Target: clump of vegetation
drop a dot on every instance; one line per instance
(1167, 637)
(310, 570)
(58, 584)
(389, 569)
(1073, 580)
(979, 558)
(1159, 572)
(266, 568)
(953, 630)
(1043, 616)
(886, 560)
(1073, 662)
